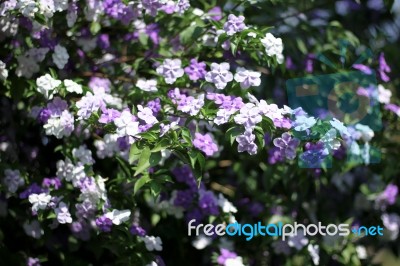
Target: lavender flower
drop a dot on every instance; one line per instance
(303, 123)
(196, 70)
(384, 68)
(205, 143)
(388, 196)
(62, 213)
(249, 116)
(314, 156)
(225, 254)
(171, 70)
(287, 145)
(234, 24)
(109, 115)
(219, 75)
(104, 224)
(246, 142)
(137, 230)
(208, 203)
(247, 78)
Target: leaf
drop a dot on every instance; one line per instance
(134, 152)
(155, 188)
(140, 183)
(186, 135)
(161, 145)
(144, 161)
(197, 161)
(232, 133)
(95, 27)
(40, 18)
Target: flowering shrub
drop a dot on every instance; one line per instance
(122, 121)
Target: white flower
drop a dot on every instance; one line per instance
(238, 261)
(72, 86)
(125, 124)
(60, 126)
(249, 116)
(384, 94)
(314, 253)
(147, 85)
(270, 110)
(72, 15)
(366, 132)
(60, 56)
(118, 217)
(219, 75)
(226, 206)
(201, 242)
(46, 85)
(39, 201)
(62, 213)
(153, 243)
(171, 70)
(13, 180)
(146, 114)
(83, 154)
(3, 71)
(28, 8)
(273, 46)
(247, 78)
(33, 229)
(46, 8)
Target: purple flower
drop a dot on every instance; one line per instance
(54, 182)
(388, 196)
(104, 224)
(234, 24)
(246, 142)
(152, 6)
(282, 123)
(219, 75)
(44, 115)
(137, 230)
(108, 115)
(33, 262)
(287, 145)
(97, 83)
(184, 198)
(310, 63)
(171, 70)
(215, 13)
(104, 41)
(196, 70)
(275, 155)
(57, 106)
(154, 105)
(208, 203)
(225, 254)
(152, 30)
(34, 188)
(363, 68)
(315, 155)
(393, 107)
(384, 68)
(247, 78)
(185, 175)
(195, 214)
(205, 143)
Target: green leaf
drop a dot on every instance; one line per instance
(161, 145)
(140, 183)
(232, 133)
(190, 35)
(197, 161)
(144, 161)
(155, 188)
(134, 152)
(186, 135)
(95, 27)
(40, 18)
(143, 38)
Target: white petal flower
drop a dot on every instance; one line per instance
(247, 78)
(39, 201)
(72, 86)
(147, 85)
(118, 217)
(47, 85)
(152, 243)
